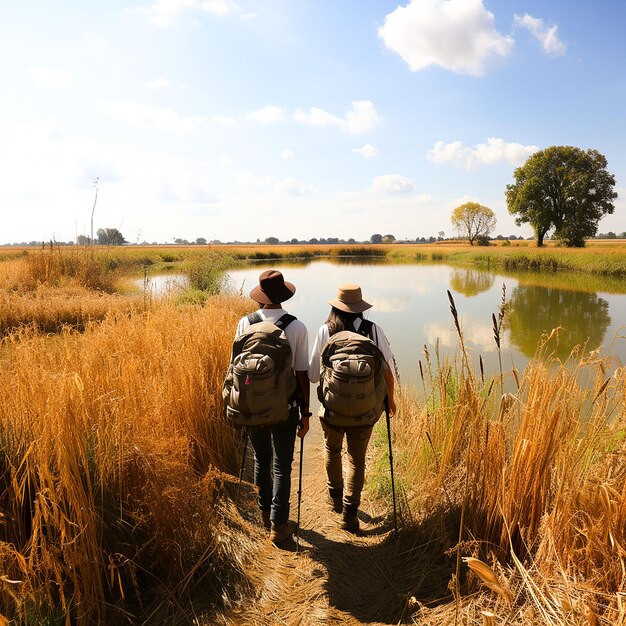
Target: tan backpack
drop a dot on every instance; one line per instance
(260, 380)
(353, 387)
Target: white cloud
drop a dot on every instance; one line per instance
(367, 151)
(286, 154)
(495, 151)
(392, 183)
(50, 78)
(163, 83)
(392, 304)
(361, 118)
(458, 35)
(224, 120)
(267, 115)
(165, 12)
(147, 116)
(294, 187)
(546, 36)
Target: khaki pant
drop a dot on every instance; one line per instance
(357, 440)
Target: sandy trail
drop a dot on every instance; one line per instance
(335, 577)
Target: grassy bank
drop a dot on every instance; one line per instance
(101, 266)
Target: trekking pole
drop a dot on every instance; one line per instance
(299, 494)
(393, 485)
(243, 463)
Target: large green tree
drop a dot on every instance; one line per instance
(564, 188)
(473, 220)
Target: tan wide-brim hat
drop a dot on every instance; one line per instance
(272, 288)
(349, 299)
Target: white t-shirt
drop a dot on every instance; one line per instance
(323, 335)
(296, 332)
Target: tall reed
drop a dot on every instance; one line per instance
(112, 444)
(534, 478)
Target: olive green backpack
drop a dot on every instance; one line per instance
(353, 387)
(260, 380)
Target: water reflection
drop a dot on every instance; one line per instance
(536, 310)
(471, 282)
(411, 304)
(161, 284)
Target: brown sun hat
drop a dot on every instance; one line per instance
(349, 299)
(272, 288)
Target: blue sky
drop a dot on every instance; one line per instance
(295, 118)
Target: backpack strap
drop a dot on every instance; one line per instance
(282, 322)
(254, 318)
(366, 328)
(285, 320)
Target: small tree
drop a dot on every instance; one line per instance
(377, 238)
(473, 221)
(201, 241)
(110, 237)
(272, 241)
(564, 188)
(388, 239)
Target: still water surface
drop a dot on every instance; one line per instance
(411, 305)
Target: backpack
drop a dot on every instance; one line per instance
(260, 380)
(353, 387)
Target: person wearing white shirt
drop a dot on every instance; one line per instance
(273, 445)
(347, 314)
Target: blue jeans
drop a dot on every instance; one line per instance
(273, 453)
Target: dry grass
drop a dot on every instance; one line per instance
(49, 310)
(112, 445)
(535, 479)
(51, 290)
(111, 491)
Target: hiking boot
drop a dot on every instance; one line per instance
(281, 532)
(267, 524)
(349, 520)
(335, 501)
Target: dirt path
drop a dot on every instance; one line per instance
(335, 577)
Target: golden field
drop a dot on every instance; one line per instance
(117, 464)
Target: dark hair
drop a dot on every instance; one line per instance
(339, 320)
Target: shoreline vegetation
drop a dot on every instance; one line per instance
(117, 472)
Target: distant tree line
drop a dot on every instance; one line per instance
(611, 235)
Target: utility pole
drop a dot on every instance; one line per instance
(95, 184)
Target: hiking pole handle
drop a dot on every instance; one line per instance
(393, 484)
(243, 463)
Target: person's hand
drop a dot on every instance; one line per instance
(303, 427)
(392, 407)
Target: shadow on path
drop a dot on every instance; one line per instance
(374, 581)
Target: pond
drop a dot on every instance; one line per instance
(411, 305)
(162, 283)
